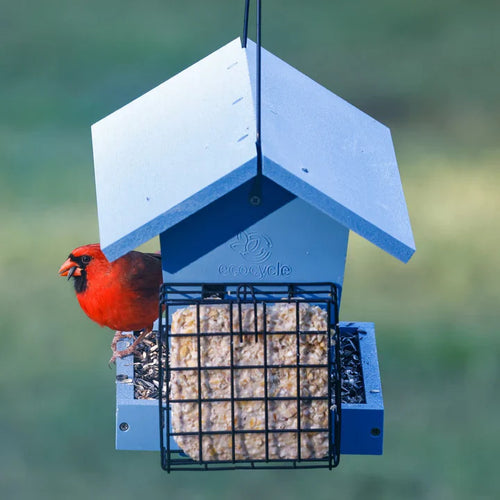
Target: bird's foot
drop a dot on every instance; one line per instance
(130, 349)
(120, 336)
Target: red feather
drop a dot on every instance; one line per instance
(123, 294)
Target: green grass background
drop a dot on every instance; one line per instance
(429, 70)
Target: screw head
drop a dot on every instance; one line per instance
(124, 426)
(255, 200)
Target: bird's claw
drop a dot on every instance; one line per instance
(121, 354)
(128, 350)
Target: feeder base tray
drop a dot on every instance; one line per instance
(137, 420)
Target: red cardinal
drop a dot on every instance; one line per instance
(122, 295)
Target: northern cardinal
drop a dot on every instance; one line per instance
(122, 295)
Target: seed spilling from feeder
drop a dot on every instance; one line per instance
(181, 162)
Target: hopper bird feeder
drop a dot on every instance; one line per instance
(252, 178)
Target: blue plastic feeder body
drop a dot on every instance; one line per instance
(181, 162)
(362, 430)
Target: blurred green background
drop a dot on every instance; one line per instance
(429, 70)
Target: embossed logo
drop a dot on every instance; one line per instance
(254, 247)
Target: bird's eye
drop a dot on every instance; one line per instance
(86, 259)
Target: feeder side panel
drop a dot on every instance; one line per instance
(362, 430)
(137, 423)
(137, 426)
(174, 150)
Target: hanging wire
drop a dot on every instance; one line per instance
(245, 24)
(259, 87)
(255, 197)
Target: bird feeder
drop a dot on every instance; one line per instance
(246, 230)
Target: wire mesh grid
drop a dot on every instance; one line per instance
(253, 376)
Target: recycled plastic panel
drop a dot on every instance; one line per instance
(191, 140)
(233, 241)
(174, 150)
(363, 424)
(361, 429)
(332, 155)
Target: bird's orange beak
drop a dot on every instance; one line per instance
(70, 268)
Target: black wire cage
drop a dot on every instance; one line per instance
(250, 376)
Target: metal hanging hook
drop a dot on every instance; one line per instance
(255, 197)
